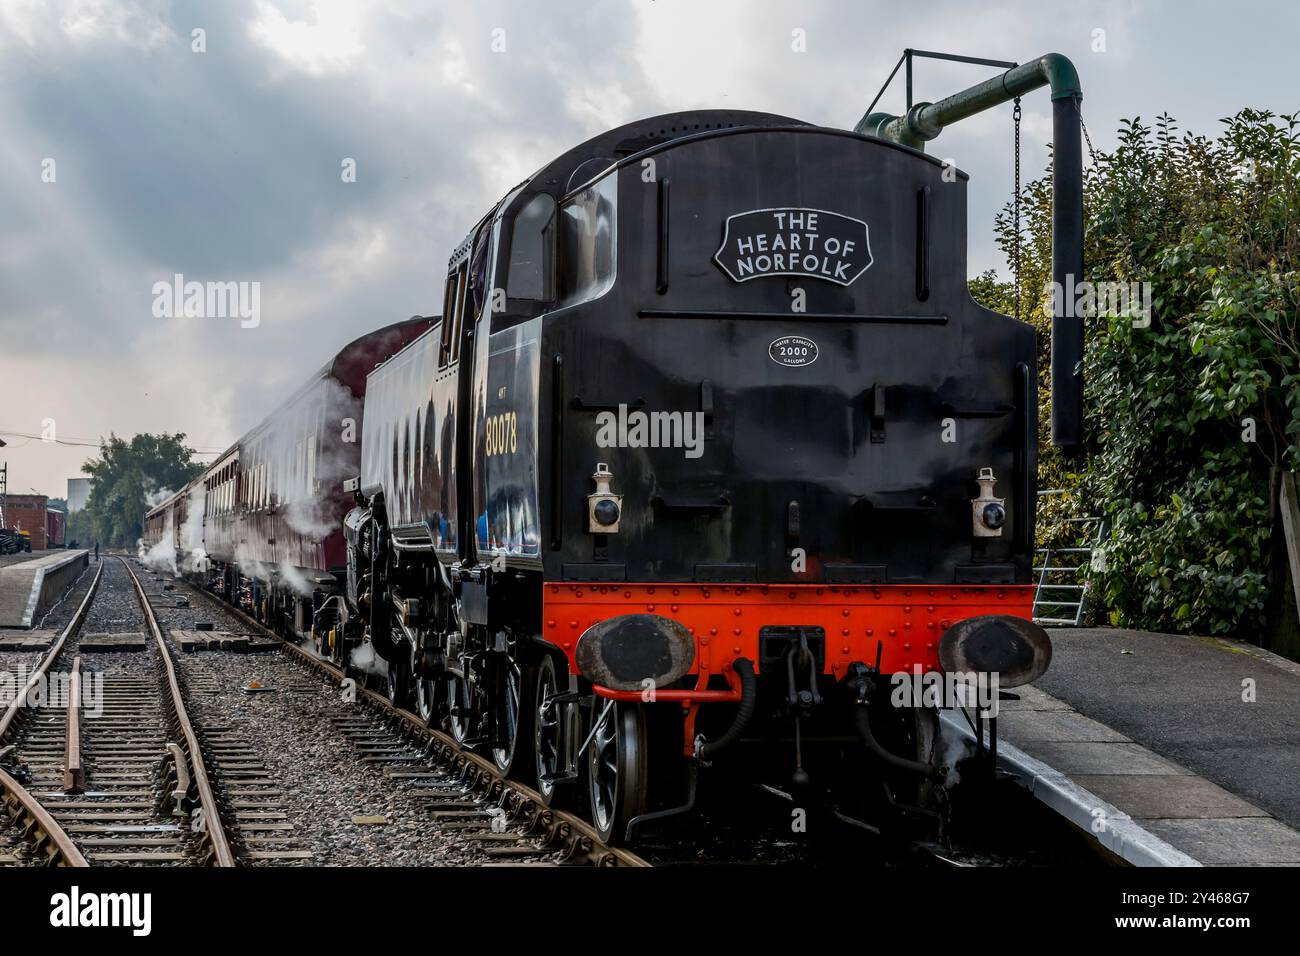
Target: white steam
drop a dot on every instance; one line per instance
(249, 565)
(955, 747)
(364, 658)
(162, 555)
(192, 529)
(293, 579)
(153, 499)
(319, 447)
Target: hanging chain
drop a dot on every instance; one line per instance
(1015, 249)
(1092, 153)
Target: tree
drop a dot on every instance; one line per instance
(130, 478)
(1192, 417)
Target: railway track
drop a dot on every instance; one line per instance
(102, 765)
(466, 793)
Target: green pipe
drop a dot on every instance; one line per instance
(925, 121)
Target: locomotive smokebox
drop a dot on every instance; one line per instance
(1018, 651)
(624, 652)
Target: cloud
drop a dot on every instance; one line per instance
(225, 165)
(327, 40)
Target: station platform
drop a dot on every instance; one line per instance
(28, 588)
(1171, 750)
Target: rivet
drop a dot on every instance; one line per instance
(892, 632)
(735, 650)
(736, 631)
(674, 608)
(713, 630)
(907, 647)
(550, 624)
(845, 612)
(736, 611)
(845, 632)
(650, 608)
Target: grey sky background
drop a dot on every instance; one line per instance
(225, 165)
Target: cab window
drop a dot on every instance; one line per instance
(587, 242)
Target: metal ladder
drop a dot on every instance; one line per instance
(1064, 574)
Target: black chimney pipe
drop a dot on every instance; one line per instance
(924, 121)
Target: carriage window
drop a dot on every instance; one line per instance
(311, 464)
(587, 235)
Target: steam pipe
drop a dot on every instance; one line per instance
(924, 121)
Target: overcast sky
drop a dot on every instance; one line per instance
(225, 165)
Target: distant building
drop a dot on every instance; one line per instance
(78, 493)
(28, 513)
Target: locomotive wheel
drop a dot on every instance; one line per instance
(616, 768)
(399, 677)
(426, 700)
(514, 713)
(427, 696)
(460, 719)
(546, 733)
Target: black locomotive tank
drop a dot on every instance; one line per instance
(784, 372)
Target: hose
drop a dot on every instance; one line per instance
(743, 666)
(863, 721)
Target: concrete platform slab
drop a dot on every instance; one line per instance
(1226, 710)
(1159, 746)
(1031, 698)
(1056, 725)
(29, 588)
(1094, 757)
(1147, 796)
(1244, 841)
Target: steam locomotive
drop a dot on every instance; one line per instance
(708, 444)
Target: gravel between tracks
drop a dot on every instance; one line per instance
(324, 781)
(323, 778)
(116, 610)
